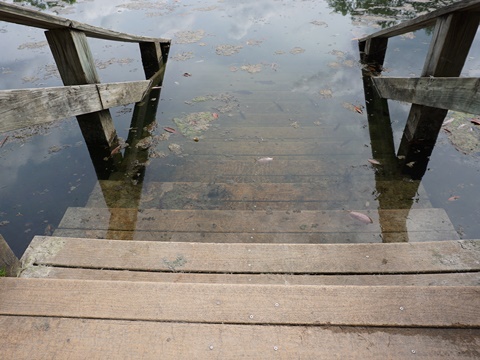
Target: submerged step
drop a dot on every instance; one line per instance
(323, 195)
(389, 225)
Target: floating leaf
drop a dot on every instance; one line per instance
(374, 162)
(215, 115)
(361, 217)
(475, 121)
(358, 109)
(453, 198)
(187, 74)
(170, 130)
(116, 150)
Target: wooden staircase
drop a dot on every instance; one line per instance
(229, 257)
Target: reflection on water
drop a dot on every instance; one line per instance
(270, 99)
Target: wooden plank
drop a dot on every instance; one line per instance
(154, 56)
(9, 263)
(392, 258)
(21, 336)
(27, 107)
(29, 17)
(372, 51)
(443, 279)
(268, 238)
(333, 221)
(403, 306)
(459, 94)
(425, 20)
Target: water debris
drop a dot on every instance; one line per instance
(4, 222)
(297, 50)
(252, 68)
(187, 74)
(355, 108)
(215, 115)
(183, 56)
(453, 198)
(295, 125)
(228, 50)
(374, 162)
(254, 42)
(361, 217)
(264, 160)
(3, 141)
(319, 23)
(326, 93)
(194, 124)
(475, 121)
(170, 130)
(448, 121)
(189, 37)
(410, 164)
(116, 150)
(175, 148)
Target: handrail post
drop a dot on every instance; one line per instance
(76, 66)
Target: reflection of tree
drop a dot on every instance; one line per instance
(385, 12)
(42, 4)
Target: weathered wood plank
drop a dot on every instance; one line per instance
(9, 263)
(27, 107)
(441, 279)
(460, 94)
(97, 339)
(404, 306)
(425, 20)
(21, 336)
(76, 67)
(207, 221)
(392, 258)
(29, 17)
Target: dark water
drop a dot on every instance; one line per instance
(305, 49)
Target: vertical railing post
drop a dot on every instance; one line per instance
(76, 67)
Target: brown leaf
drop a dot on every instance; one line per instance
(475, 121)
(453, 198)
(215, 115)
(374, 162)
(170, 130)
(361, 217)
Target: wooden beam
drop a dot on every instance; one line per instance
(423, 21)
(24, 16)
(27, 107)
(373, 50)
(459, 94)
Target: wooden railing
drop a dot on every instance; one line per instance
(438, 88)
(83, 95)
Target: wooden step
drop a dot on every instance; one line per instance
(252, 196)
(238, 258)
(391, 225)
(75, 338)
(243, 304)
(194, 300)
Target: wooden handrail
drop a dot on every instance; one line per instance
(24, 16)
(424, 20)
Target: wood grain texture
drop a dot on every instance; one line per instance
(441, 279)
(460, 94)
(27, 107)
(29, 17)
(392, 258)
(404, 306)
(28, 338)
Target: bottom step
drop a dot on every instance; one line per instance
(63, 338)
